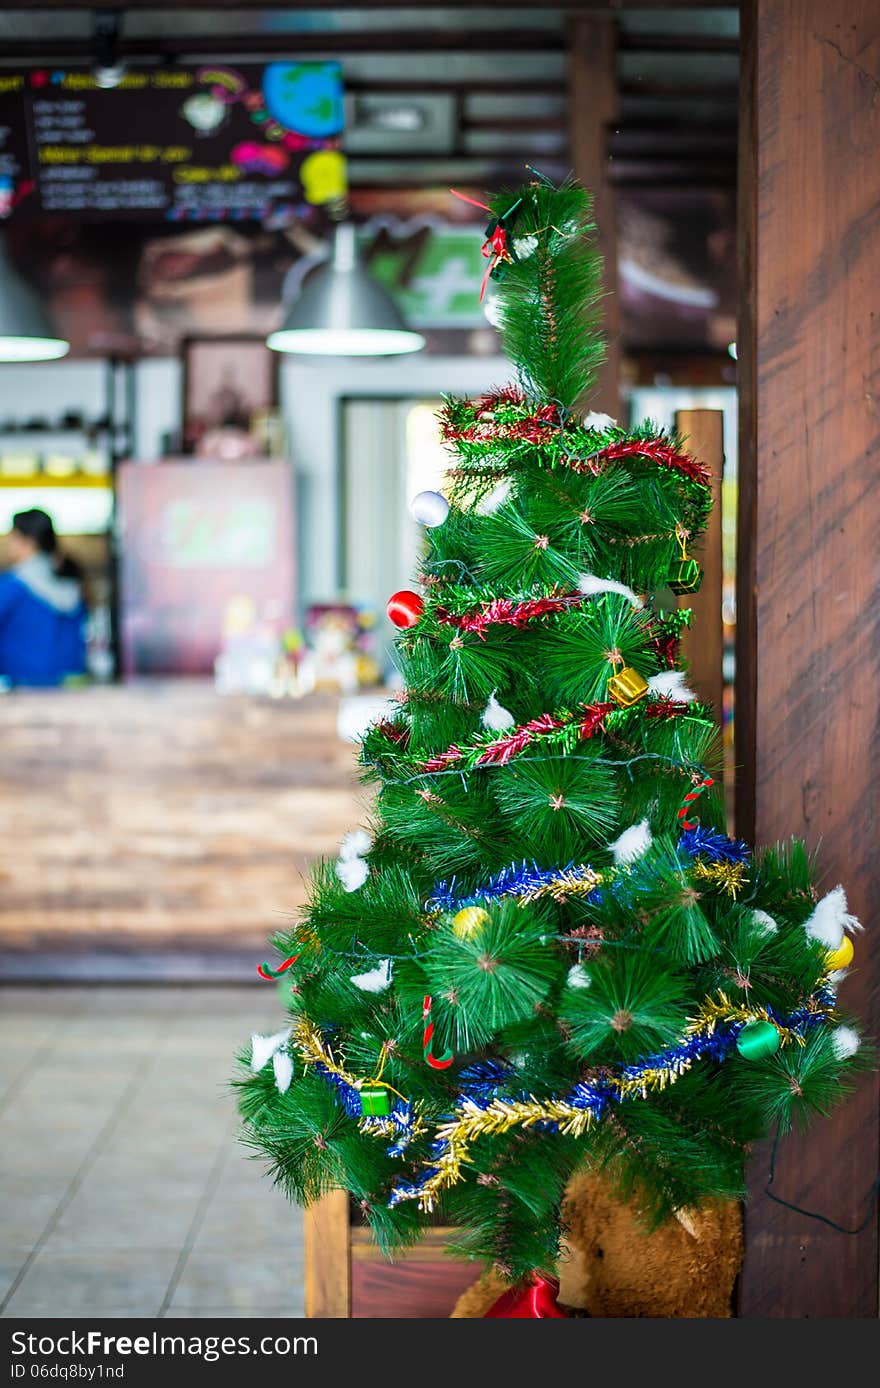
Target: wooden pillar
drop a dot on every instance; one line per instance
(703, 643)
(592, 106)
(809, 567)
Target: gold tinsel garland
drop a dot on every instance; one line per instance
(453, 1137)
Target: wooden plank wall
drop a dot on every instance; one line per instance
(808, 640)
(163, 817)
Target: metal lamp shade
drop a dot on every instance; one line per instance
(26, 332)
(343, 312)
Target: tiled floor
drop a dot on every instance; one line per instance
(124, 1190)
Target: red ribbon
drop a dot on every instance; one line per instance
(534, 1300)
(495, 247)
(496, 251)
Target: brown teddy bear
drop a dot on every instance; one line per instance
(613, 1267)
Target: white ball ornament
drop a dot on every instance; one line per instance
(429, 509)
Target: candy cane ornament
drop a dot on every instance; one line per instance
(443, 1061)
(266, 971)
(688, 799)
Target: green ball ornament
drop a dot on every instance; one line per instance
(758, 1041)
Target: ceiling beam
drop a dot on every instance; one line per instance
(574, 7)
(327, 43)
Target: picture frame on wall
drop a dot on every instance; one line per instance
(230, 397)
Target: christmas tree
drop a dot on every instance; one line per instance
(546, 953)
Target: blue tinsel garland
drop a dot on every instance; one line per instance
(711, 844)
(510, 881)
(526, 878)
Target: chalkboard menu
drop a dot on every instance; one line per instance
(209, 143)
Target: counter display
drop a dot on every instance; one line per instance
(159, 819)
(202, 545)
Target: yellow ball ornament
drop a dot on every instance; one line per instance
(469, 919)
(841, 957)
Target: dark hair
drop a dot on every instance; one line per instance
(36, 525)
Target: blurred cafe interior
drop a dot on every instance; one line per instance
(228, 460)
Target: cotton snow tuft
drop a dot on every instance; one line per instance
(830, 919)
(524, 246)
(496, 717)
(355, 844)
(763, 922)
(670, 684)
(632, 843)
(352, 873)
(598, 421)
(283, 1067)
(493, 311)
(374, 980)
(591, 586)
(263, 1048)
(845, 1041)
(494, 500)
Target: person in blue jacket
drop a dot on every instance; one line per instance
(42, 612)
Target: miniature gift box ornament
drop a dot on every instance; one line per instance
(627, 687)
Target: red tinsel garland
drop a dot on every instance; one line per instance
(532, 428)
(447, 758)
(591, 719)
(655, 450)
(498, 753)
(393, 731)
(508, 612)
(666, 647)
(665, 708)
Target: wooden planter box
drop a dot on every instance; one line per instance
(347, 1276)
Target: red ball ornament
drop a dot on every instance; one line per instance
(405, 608)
